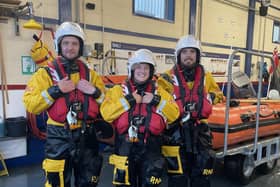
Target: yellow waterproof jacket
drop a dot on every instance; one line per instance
(115, 104)
(36, 98)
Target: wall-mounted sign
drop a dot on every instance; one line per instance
(27, 65)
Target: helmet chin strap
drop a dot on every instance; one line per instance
(141, 87)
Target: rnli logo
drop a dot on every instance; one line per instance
(155, 180)
(207, 172)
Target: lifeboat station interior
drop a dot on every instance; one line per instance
(239, 41)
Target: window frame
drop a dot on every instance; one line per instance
(276, 24)
(169, 12)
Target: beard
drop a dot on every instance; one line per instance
(189, 64)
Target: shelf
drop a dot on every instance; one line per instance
(12, 147)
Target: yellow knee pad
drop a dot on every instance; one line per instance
(121, 176)
(54, 166)
(172, 155)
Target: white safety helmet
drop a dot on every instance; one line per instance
(273, 94)
(141, 56)
(69, 29)
(187, 41)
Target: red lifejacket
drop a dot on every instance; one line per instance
(195, 95)
(154, 122)
(60, 107)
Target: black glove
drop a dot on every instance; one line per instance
(103, 129)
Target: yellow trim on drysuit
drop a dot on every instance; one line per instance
(54, 166)
(173, 151)
(120, 163)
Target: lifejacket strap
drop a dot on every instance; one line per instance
(131, 100)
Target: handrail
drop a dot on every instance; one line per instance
(229, 81)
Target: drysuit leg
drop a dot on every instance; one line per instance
(177, 180)
(175, 155)
(87, 171)
(87, 168)
(204, 159)
(153, 171)
(154, 164)
(176, 176)
(55, 173)
(202, 169)
(122, 176)
(58, 165)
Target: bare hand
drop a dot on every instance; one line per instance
(86, 87)
(137, 97)
(148, 97)
(66, 85)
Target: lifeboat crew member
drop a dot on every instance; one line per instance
(140, 111)
(70, 92)
(190, 138)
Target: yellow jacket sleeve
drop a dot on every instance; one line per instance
(212, 87)
(98, 82)
(165, 81)
(36, 98)
(167, 106)
(114, 104)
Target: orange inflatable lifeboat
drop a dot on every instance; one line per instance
(247, 117)
(242, 121)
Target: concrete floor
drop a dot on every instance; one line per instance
(32, 176)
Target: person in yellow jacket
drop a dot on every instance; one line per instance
(140, 111)
(213, 90)
(194, 91)
(71, 93)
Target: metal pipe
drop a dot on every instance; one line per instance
(228, 93)
(108, 56)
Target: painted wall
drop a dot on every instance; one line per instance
(223, 26)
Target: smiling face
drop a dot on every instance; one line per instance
(141, 72)
(70, 47)
(188, 57)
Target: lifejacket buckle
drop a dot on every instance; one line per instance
(137, 120)
(77, 106)
(190, 107)
(133, 133)
(71, 117)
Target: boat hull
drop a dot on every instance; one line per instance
(242, 123)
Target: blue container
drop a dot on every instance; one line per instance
(16, 126)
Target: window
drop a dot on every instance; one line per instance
(159, 9)
(276, 32)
